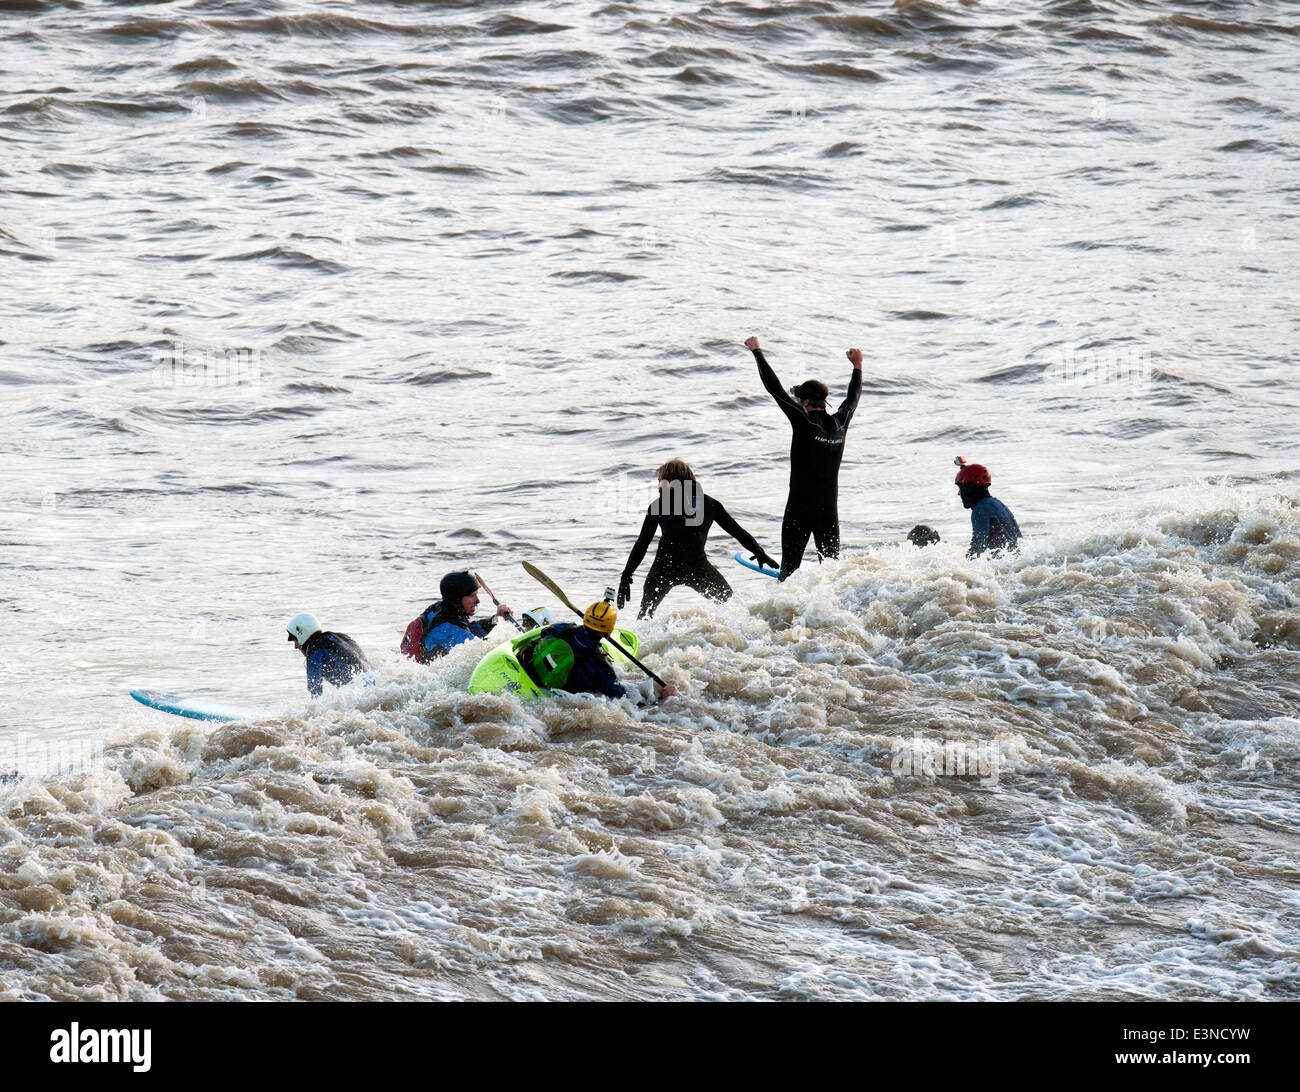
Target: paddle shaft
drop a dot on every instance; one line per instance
(558, 592)
(495, 601)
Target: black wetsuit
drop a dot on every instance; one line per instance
(685, 524)
(816, 448)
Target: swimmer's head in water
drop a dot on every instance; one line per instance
(922, 535)
(537, 617)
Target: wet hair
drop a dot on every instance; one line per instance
(679, 492)
(675, 470)
(812, 390)
(922, 535)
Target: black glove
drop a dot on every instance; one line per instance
(624, 589)
(766, 561)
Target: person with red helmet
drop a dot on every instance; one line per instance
(993, 527)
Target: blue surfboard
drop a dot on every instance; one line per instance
(773, 573)
(195, 708)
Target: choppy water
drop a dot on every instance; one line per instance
(308, 304)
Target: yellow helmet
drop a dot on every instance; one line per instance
(601, 617)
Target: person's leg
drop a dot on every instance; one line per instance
(710, 583)
(826, 537)
(794, 540)
(659, 581)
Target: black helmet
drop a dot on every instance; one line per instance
(455, 586)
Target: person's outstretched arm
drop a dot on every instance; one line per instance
(637, 555)
(724, 520)
(788, 405)
(850, 404)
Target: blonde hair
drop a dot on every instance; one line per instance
(675, 470)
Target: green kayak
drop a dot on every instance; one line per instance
(501, 670)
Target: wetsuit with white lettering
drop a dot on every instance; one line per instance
(816, 449)
(685, 523)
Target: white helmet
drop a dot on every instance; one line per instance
(302, 626)
(540, 615)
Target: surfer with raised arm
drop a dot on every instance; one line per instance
(816, 450)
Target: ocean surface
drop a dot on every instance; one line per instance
(306, 304)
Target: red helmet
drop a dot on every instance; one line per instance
(972, 474)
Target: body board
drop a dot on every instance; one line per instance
(773, 573)
(195, 708)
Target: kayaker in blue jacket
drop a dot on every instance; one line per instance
(333, 658)
(993, 527)
(449, 622)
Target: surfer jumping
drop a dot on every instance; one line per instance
(816, 449)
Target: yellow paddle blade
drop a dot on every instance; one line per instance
(550, 585)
